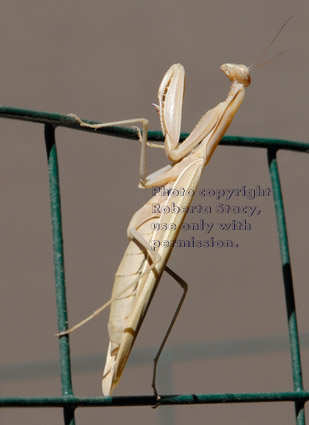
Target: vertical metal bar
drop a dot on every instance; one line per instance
(288, 284)
(64, 344)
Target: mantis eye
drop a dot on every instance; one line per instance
(239, 73)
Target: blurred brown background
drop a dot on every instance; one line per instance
(104, 60)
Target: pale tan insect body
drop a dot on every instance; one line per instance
(189, 159)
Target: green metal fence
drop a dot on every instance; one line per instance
(68, 401)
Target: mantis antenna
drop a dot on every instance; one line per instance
(255, 64)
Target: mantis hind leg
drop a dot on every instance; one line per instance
(184, 286)
(155, 258)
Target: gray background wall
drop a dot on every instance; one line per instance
(104, 60)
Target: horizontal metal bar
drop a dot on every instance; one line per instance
(59, 120)
(74, 402)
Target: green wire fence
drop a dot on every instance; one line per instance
(68, 401)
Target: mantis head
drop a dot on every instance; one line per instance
(238, 73)
(241, 73)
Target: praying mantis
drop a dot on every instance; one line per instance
(144, 262)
